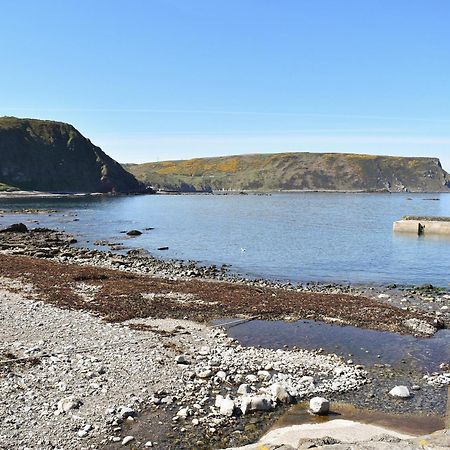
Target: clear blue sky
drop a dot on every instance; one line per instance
(173, 79)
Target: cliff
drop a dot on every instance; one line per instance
(297, 171)
(55, 157)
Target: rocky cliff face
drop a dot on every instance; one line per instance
(299, 171)
(54, 157)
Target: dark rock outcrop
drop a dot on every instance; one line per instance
(49, 156)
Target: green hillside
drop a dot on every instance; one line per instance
(54, 157)
(297, 171)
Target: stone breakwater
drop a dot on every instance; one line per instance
(73, 381)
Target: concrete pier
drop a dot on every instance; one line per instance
(423, 225)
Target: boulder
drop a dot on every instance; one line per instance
(15, 228)
(400, 392)
(279, 393)
(256, 403)
(319, 405)
(227, 407)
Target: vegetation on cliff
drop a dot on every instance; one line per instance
(52, 156)
(297, 171)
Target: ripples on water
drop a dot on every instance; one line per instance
(295, 236)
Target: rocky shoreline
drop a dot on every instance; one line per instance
(98, 348)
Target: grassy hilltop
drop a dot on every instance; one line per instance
(297, 171)
(52, 156)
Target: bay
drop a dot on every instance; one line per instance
(325, 237)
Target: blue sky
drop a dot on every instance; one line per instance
(171, 79)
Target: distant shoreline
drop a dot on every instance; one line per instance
(40, 194)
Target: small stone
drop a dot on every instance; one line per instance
(181, 359)
(204, 373)
(127, 439)
(66, 404)
(244, 389)
(183, 412)
(205, 350)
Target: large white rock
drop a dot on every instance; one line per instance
(227, 407)
(319, 405)
(256, 403)
(280, 393)
(400, 392)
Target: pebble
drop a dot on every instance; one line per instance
(127, 439)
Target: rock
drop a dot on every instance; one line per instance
(400, 392)
(219, 400)
(264, 375)
(256, 403)
(319, 405)
(221, 375)
(420, 326)
(251, 378)
(66, 404)
(148, 444)
(306, 380)
(227, 407)
(181, 359)
(134, 233)
(125, 412)
(127, 439)
(204, 351)
(183, 412)
(162, 248)
(244, 389)
(204, 373)
(280, 393)
(15, 228)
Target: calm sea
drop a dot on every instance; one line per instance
(289, 236)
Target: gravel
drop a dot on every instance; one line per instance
(83, 377)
